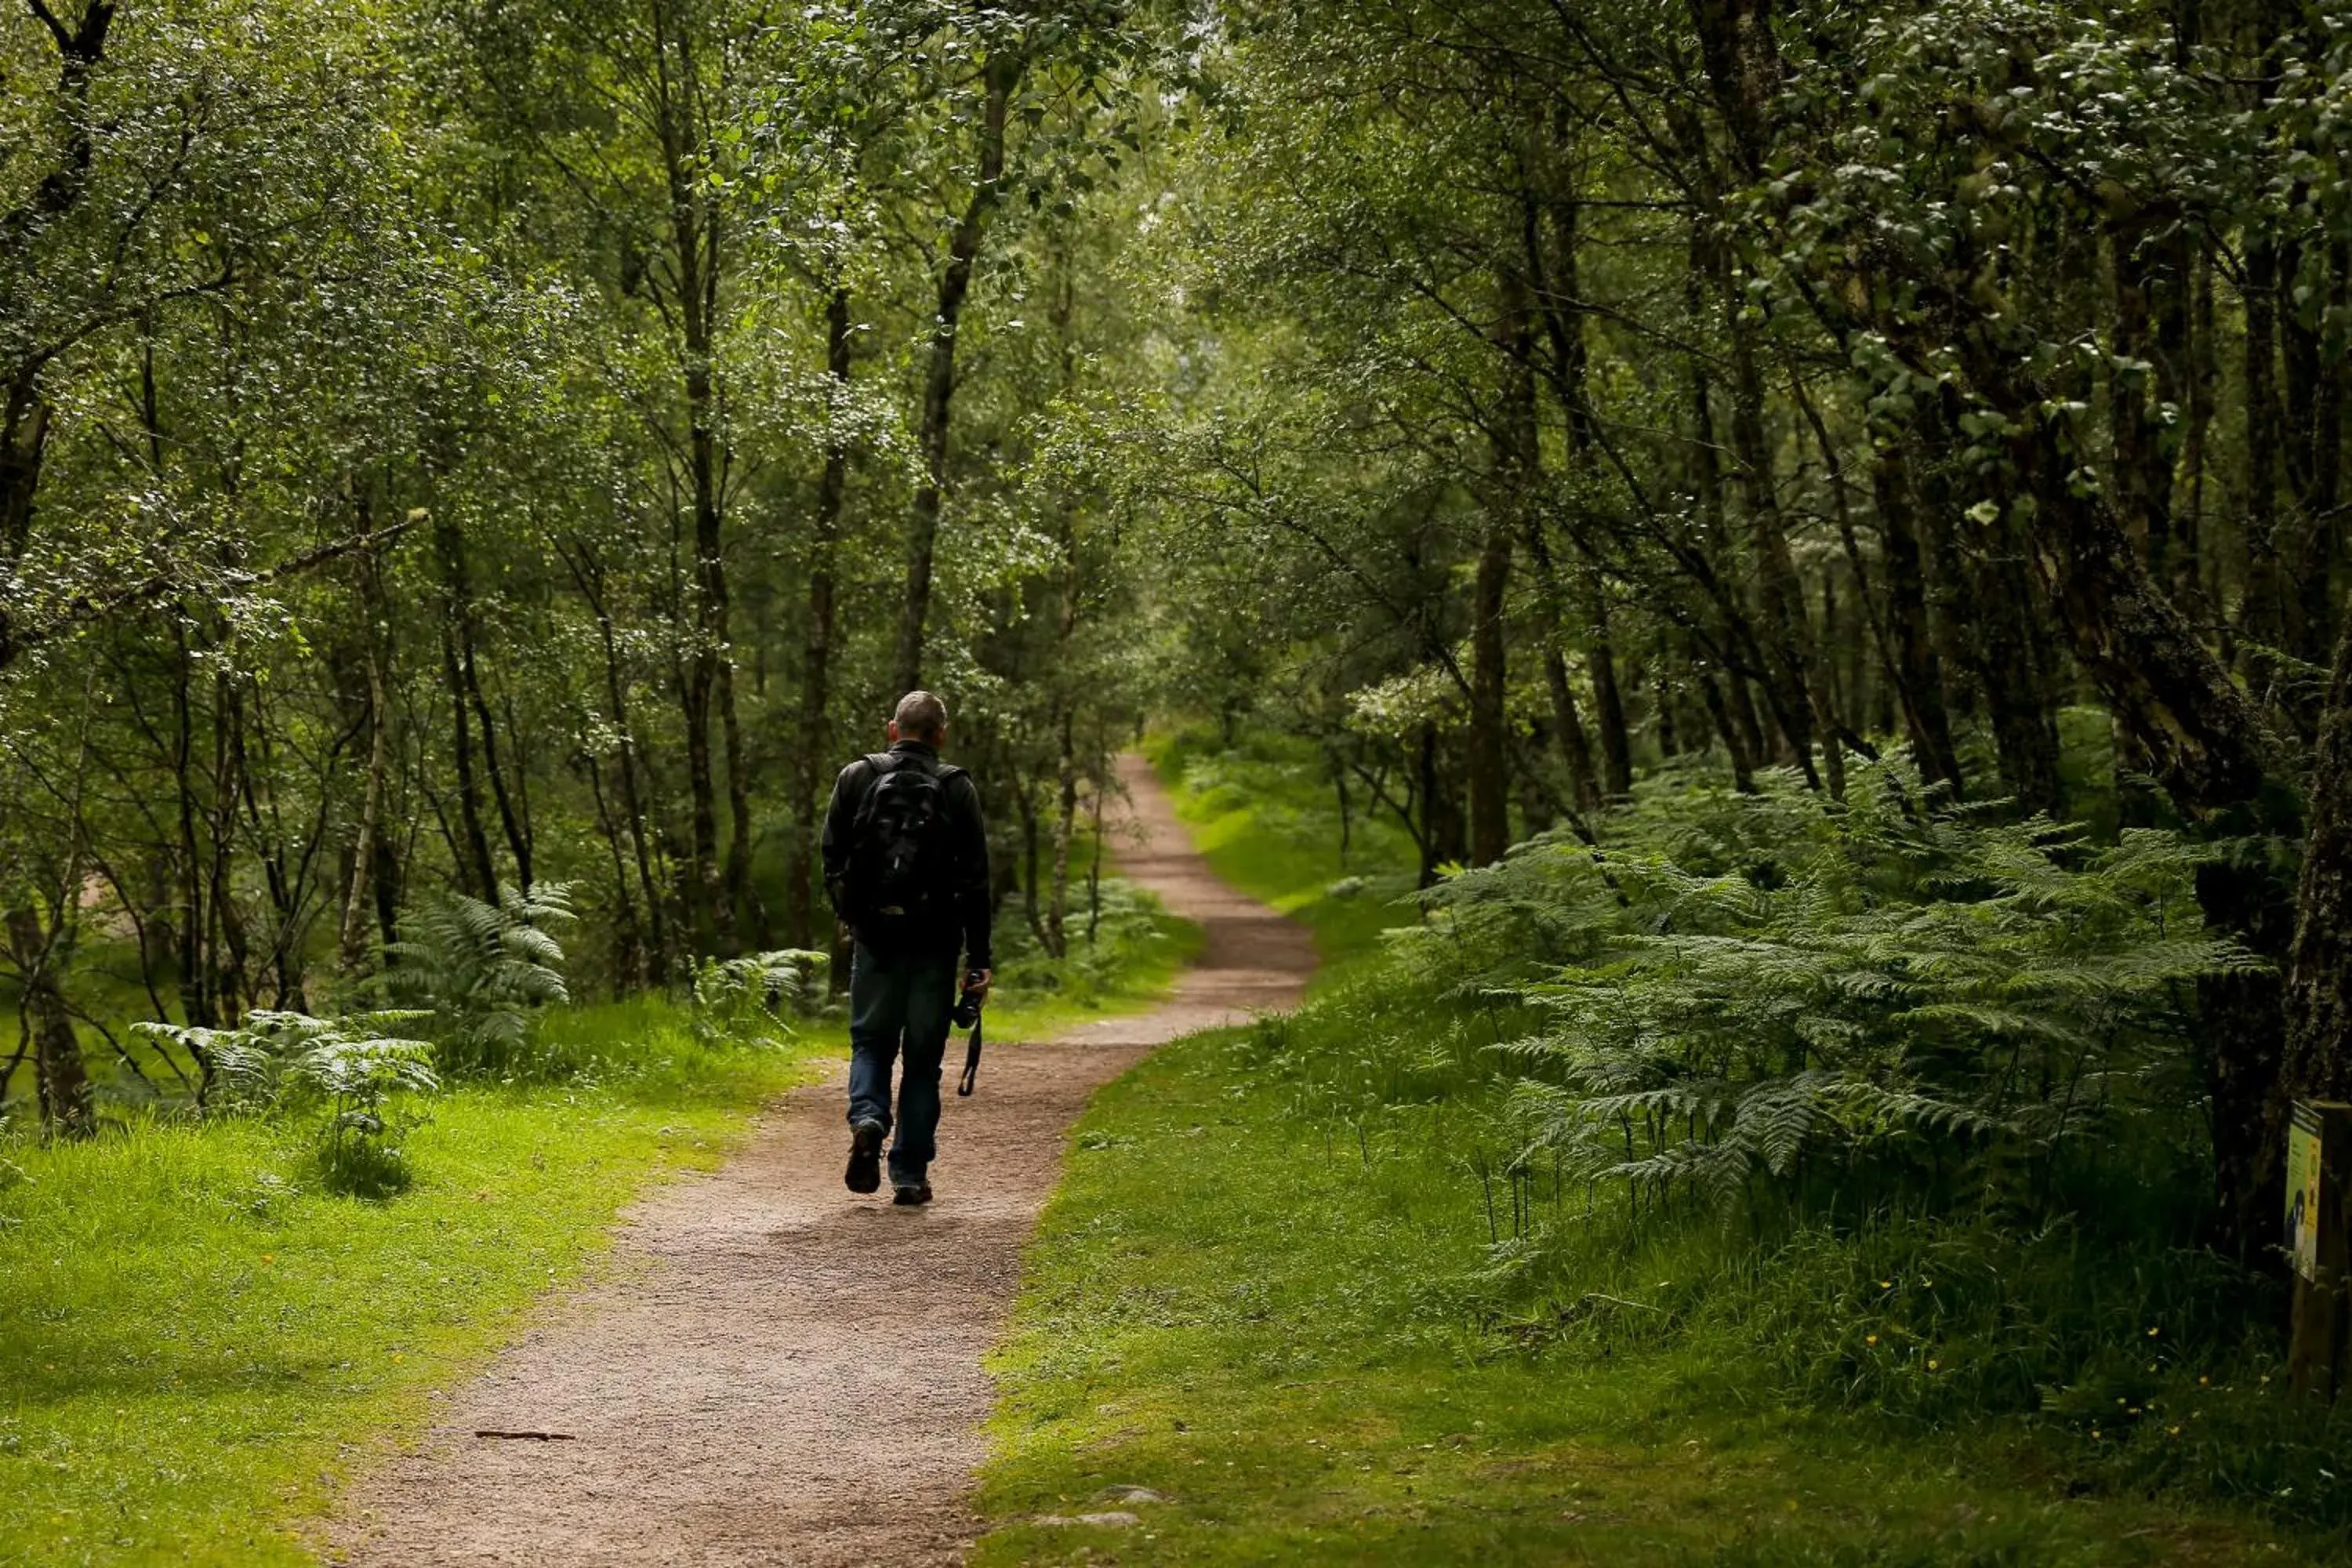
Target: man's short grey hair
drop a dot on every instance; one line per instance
(921, 716)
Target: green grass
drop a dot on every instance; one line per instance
(1276, 1335)
(1289, 1320)
(1267, 820)
(198, 1344)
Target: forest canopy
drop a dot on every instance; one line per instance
(493, 447)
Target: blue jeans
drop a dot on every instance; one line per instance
(899, 1002)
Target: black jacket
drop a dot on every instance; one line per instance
(967, 873)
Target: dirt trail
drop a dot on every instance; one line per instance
(777, 1372)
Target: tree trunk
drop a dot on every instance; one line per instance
(817, 662)
(58, 1071)
(195, 967)
(2313, 396)
(1518, 462)
(2263, 617)
(25, 413)
(1743, 715)
(1997, 617)
(1066, 827)
(2151, 304)
(1442, 839)
(587, 574)
(698, 892)
(1743, 68)
(1002, 77)
(475, 867)
(1490, 821)
(2317, 1063)
(1792, 679)
(2182, 569)
(1031, 852)
(1609, 704)
(351, 942)
(1918, 673)
(723, 892)
(1569, 735)
(512, 822)
(630, 959)
(1735, 744)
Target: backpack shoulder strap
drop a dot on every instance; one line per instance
(878, 766)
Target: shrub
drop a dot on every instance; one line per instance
(480, 970)
(1887, 997)
(740, 996)
(345, 1071)
(1127, 928)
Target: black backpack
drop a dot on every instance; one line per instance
(895, 893)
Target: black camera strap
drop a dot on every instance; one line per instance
(971, 1060)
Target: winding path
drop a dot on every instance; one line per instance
(777, 1372)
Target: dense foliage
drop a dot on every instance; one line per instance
(452, 453)
(1758, 386)
(1855, 493)
(1880, 1109)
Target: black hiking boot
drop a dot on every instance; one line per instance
(912, 1196)
(864, 1174)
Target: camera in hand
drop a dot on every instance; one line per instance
(967, 1007)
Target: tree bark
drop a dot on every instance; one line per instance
(1792, 673)
(1442, 839)
(2313, 396)
(708, 690)
(25, 412)
(2262, 619)
(1743, 67)
(1002, 76)
(1569, 733)
(2317, 1061)
(351, 939)
(1490, 821)
(1518, 462)
(816, 660)
(658, 954)
(1066, 827)
(58, 1074)
(2152, 310)
(1608, 703)
(1918, 673)
(474, 863)
(194, 968)
(2182, 569)
(1736, 744)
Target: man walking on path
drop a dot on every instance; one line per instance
(906, 864)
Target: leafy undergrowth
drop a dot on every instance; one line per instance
(1121, 953)
(1279, 1329)
(1311, 1284)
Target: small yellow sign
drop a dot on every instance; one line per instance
(2302, 1192)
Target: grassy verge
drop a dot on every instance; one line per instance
(1282, 1323)
(198, 1345)
(1263, 815)
(1260, 1329)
